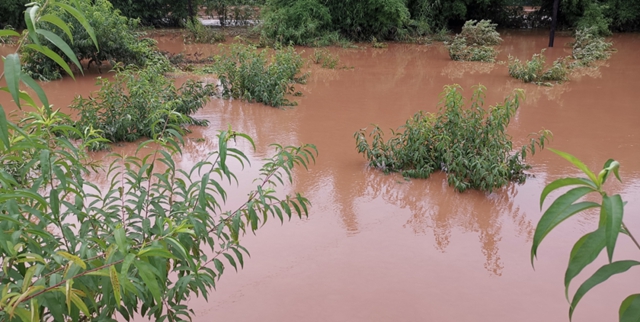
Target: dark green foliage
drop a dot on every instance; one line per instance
(139, 103)
(534, 71)
(250, 74)
(117, 41)
(138, 238)
(12, 13)
(470, 145)
(233, 12)
(300, 22)
(589, 47)
(616, 15)
(363, 19)
(475, 41)
(154, 12)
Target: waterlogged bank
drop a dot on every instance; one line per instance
(379, 248)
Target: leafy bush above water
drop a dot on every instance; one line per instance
(79, 242)
(475, 42)
(590, 47)
(533, 71)
(470, 145)
(325, 58)
(140, 103)
(248, 73)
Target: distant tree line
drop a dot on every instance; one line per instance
(384, 19)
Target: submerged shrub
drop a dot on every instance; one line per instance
(140, 103)
(589, 47)
(470, 145)
(480, 33)
(459, 50)
(533, 71)
(198, 33)
(299, 22)
(324, 58)
(250, 74)
(475, 41)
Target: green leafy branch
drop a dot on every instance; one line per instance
(589, 246)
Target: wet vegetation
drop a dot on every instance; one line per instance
(116, 40)
(535, 71)
(248, 73)
(140, 104)
(475, 42)
(589, 47)
(149, 240)
(198, 33)
(324, 58)
(470, 145)
(153, 238)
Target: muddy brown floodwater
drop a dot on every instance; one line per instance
(378, 248)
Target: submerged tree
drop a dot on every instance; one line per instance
(470, 145)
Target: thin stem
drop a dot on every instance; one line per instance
(635, 241)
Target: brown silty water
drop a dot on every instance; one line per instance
(377, 247)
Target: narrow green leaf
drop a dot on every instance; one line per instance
(30, 20)
(231, 260)
(73, 258)
(54, 201)
(563, 182)
(630, 309)
(561, 209)
(155, 251)
(598, 277)
(613, 208)
(27, 80)
(178, 246)
(58, 42)
(67, 293)
(26, 281)
(12, 76)
(115, 283)
(121, 239)
(80, 304)
(53, 19)
(584, 252)
(575, 161)
(4, 130)
(55, 57)
(8, 33)
(146, 273)
(81, 19)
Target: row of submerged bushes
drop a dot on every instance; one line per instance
(477, 41)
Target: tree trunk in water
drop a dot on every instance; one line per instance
(190, 8)
(554, 22)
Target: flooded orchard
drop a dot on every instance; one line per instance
(377, 247)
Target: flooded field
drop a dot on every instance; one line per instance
(377, 247)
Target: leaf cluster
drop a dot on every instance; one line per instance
(139, 103)
(198, 33)
(588, 247)
(535, 71)
(247, 73)
(470, 145)
(590, 47)
(114, 33)
(324, 58)
(142, 244)
(475, 42)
